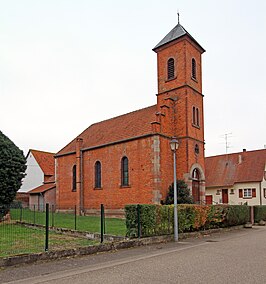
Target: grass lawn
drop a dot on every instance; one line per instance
(113, 226)
(16, 239)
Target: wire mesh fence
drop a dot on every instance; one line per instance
(39, 228)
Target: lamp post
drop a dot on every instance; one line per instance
(174, 146)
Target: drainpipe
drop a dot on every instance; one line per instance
(81, 184)
(260, 194)
(78, 173)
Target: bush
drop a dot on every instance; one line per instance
(236, 215)
(183, 193)
(259, 213)
(159, 219)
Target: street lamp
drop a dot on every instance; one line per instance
(174, 146)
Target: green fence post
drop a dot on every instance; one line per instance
(53, 215)
(47, 227)
(20, 217)
(138, 217)
(102, 222)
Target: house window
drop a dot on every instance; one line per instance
(74, 178)
(247, 192)
(124, 172)
(193, 71)
(98, 175)
(170, 68)
(195, 116)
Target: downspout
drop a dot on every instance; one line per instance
(81, 184)
(260, 194)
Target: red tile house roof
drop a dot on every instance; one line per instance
(127, 126)
(42, 188)
(228, 169)
(45, 160)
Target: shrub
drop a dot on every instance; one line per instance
(183, 193)
(259, 213)
(159, 219)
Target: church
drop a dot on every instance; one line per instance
(128, 159)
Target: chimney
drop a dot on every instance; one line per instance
(244, 150)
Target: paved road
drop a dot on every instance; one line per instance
(231, 257)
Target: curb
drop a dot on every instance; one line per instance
(105, 247)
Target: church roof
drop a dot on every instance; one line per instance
(127, 126)
(228, 169)
(177, 32)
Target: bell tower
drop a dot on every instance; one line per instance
(180, 104)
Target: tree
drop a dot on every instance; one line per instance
(183, 193)
(12, 170)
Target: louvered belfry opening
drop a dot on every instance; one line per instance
(170, 68)
(194, 76)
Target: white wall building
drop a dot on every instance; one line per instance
(238, 178)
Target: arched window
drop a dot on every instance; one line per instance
(74, 178)
(98, 175)
(170, 68)
(195, 174)
(193, 71)
(197, 116)
(194, 116)
(124, 172)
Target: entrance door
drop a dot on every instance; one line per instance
(225, 196)
(196, 186)
(195, 191)
(208, 199)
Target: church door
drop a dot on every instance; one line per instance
(196, 186)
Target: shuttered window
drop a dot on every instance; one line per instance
(170, 68)
(240, 193)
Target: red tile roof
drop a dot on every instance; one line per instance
(42, 188)
(45, 160)
(226, 170)
(130, 125)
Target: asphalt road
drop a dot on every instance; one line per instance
(230, 257)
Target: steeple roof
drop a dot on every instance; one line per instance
(177, 32)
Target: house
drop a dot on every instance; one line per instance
(40, 170)
(127, 159)
(43, 194)
(238, 178)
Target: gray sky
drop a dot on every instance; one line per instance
(65, 64)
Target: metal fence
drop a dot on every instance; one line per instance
(38, 229)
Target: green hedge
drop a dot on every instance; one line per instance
(259, 213)
(158, 219)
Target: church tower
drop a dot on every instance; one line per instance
(180, 104)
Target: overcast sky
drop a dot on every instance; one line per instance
(65, 64)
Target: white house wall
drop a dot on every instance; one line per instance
(233, 194)
(34, 175)
(263, 187)
(250, 201)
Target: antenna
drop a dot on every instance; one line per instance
(226, 136)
